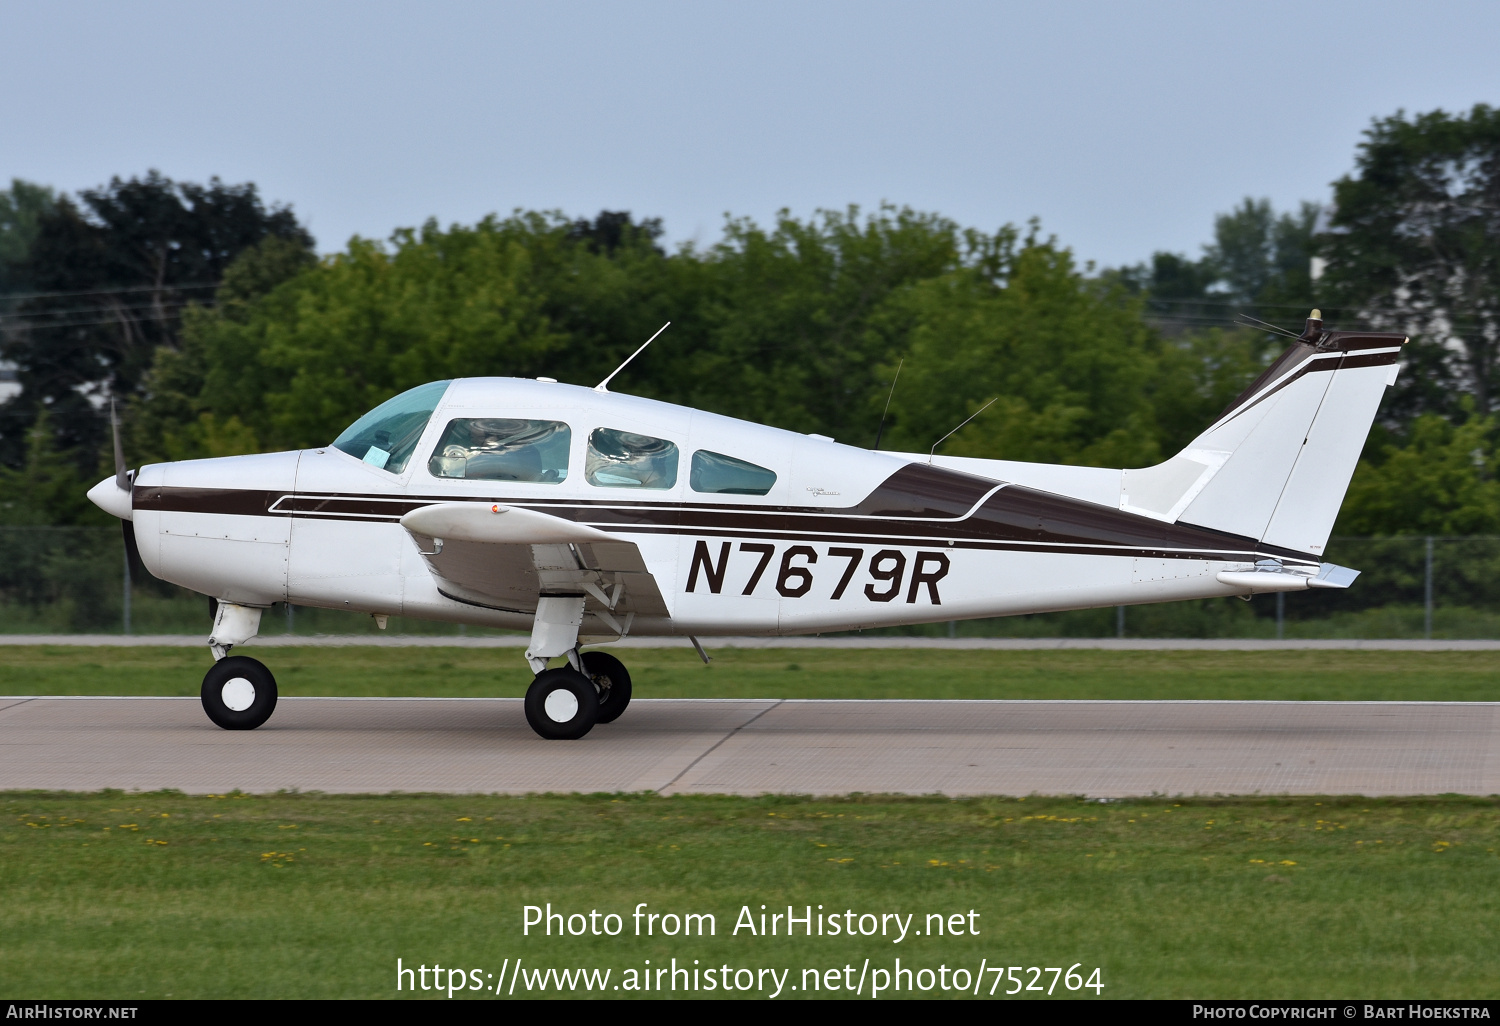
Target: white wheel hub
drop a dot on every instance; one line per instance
(238, 694)
(561, 705)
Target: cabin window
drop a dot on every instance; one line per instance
(725, 475)
(499, 449)
(623, 459)
(386, 437)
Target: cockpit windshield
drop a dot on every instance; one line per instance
(388, 435)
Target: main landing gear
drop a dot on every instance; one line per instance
(563, 704)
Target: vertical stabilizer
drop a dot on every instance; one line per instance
(1286, 448)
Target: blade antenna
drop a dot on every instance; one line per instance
(600, 387)
(1244, 318)
(933, 451)
(881, 430)
(122, 476)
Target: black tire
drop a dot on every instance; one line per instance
(243, 682)
(611, 680)
(571, 695)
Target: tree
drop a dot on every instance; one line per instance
(1072, 362)
(1259, 263)
(170, 419)
(614, 229)
(787, 326)
(1263, 261)
(22, 206)
(1441, 482)
(1414, 246)
(48, 487)
(794, 323)
(112, 274)
(291, 365)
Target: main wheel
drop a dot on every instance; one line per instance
(562, 704)
(239, 693)
(612, 681)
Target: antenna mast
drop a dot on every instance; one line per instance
(600, 387)
(881, 430)
(933, 451)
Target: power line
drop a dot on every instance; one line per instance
(45, 320)
(78, 324)
(15, 296)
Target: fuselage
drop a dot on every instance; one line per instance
(842, 538)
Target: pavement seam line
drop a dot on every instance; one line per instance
(663, 789)
(16, 705)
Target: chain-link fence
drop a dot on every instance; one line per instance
(77, 580)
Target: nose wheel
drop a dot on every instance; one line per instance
(239, 693)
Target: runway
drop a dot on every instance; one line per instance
(671, 746)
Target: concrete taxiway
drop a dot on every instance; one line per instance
(1103, 749)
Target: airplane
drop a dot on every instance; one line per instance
(586, 516)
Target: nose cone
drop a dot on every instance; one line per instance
(111, 498)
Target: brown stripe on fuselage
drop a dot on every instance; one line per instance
(233, 501)
(918, 504)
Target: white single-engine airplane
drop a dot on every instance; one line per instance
(586, 516)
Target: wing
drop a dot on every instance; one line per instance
(505, 557)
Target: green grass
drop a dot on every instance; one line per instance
(153, 895)
(789, 673)
(316, 896)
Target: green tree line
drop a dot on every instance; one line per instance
(207, 315)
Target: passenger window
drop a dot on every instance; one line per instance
(622, 459)
(497, 449)
(725, 475)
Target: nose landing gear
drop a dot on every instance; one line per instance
(239, 693)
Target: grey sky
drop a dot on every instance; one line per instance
(1123, 126)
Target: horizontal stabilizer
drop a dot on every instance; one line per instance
(1270, 576)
